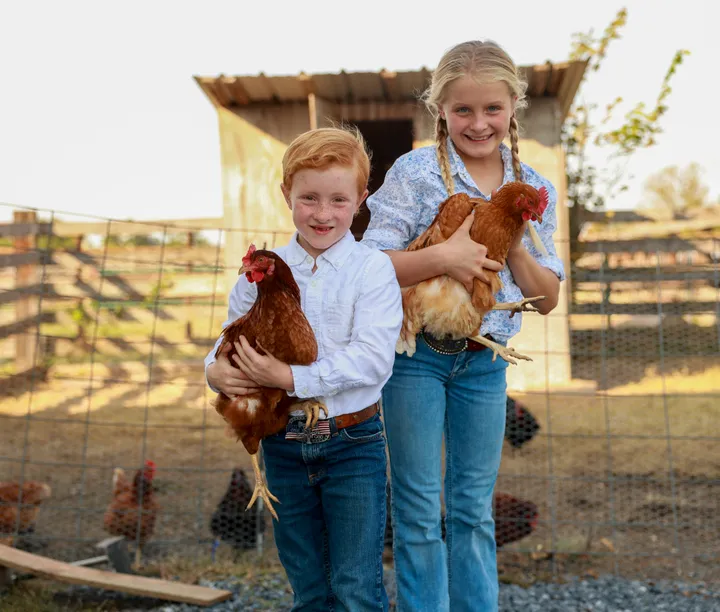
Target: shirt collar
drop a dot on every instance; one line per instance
(335, 255)
(457, 167)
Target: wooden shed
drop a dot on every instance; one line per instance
(259, 115)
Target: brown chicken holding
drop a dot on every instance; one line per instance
(277, 325)
(442, 305)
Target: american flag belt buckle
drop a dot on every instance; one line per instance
(295, 430)
(444, 346)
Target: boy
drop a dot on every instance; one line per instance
(331, 480)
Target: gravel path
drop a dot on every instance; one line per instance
(271, 593)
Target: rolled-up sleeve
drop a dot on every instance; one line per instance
(242, 297)
(369, 356)
(545, 230)
(393, 211)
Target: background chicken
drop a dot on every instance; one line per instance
(19, 507)
(230, 522)
(515, 519)
(520, 425)
(133, 511)
(277, 325)
(442, 305)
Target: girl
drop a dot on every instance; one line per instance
(474, 95)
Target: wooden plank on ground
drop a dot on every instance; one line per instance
(20, 560)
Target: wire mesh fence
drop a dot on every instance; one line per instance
(102, 336)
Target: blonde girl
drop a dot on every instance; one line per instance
(442, 391)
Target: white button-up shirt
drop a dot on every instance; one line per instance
(353, 304)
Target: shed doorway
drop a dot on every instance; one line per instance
(387, 139)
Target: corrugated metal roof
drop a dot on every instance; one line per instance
(544, 80)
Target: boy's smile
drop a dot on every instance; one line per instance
(323, 204)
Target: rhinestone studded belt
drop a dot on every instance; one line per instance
(444, 346)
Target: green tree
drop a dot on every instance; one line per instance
(588, 188)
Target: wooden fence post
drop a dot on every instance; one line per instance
(26, 306)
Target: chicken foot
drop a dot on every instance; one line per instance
(524, 305)
(312, 409)
(509, 354)
(261, 489)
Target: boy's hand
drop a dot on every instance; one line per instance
(265, 370)
(222, 375)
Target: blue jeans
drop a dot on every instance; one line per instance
(332, 516)
(462, 396)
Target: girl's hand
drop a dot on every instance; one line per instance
(265, 370)
(465, 259)
(222, 375)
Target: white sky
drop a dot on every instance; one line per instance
(99, 113)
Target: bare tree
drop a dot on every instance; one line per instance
(677, 190)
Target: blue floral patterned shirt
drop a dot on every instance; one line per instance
(409, 199)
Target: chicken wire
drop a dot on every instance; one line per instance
(617, 473)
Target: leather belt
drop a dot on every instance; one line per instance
(448, 346)
(346, 420)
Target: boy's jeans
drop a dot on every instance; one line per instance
(462, 396)
(332, 516)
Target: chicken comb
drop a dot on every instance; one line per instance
(149, 464)
(248, 255)
(544, 197)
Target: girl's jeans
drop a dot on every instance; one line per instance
(463, 397)
(332, 516)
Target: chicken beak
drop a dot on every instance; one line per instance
(538, 218)
(243, 270)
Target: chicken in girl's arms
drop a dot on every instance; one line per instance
(276, 327)
(442, 305)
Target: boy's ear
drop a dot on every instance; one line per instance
(363, 197)
(286, 195)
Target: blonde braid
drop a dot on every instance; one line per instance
(517, 168)
(441, 136)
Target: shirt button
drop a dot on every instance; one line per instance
(308, 259)
(313, 283)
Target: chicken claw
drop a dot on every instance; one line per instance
(524, 305)
(506, 352)
(312, 409)
(261, 489)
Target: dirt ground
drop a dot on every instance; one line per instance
(626, 478)
(599, 470)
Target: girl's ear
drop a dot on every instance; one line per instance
(286, 195)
